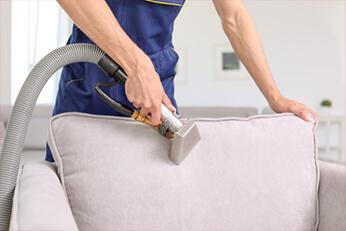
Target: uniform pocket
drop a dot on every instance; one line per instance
(72, 73)
(72, 81)
(165, 62)
(168, 2)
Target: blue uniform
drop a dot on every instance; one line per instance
(149, 23)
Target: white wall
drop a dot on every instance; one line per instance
(304, 42)
(5, 52)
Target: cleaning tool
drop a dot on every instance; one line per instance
(185, 136)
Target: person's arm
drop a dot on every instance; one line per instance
(241, 32)
(143, 87)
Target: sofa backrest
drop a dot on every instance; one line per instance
(256, 173)
(216, 112)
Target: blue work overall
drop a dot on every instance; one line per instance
(149, 23)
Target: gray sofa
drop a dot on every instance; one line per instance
(53, 211)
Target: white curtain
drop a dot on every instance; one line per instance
(38, 27)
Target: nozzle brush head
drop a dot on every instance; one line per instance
(184, 141)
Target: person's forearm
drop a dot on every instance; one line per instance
(96, 20)
(143, 87)
(242, 34)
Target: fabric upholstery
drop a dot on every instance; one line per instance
(39, 202)
(249, 174)
(332, 197)
(217, 112)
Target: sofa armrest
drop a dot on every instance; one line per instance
(39, 202)
(332, 199)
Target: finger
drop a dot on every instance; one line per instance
(144, 112)
(136, 106)
(307, 116)
(167, 102)
(300, 114)
(311, 113)
(155, 116)
(314, 114)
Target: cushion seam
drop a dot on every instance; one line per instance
(197, 119)
(317, 179)
(52, 144)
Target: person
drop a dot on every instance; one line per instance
(137, 34)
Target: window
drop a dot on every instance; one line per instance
(38, 27)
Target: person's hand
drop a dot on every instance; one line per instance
(283, 104)
(144, 90)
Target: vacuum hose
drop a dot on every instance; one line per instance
(11, 152)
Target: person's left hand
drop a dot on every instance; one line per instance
(283, 104)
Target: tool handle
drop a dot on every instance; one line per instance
(112, 69)
(168, 119)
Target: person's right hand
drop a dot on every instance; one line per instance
(144, 90)
(143, 87)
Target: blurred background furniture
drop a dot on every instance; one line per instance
(35, 141)
(331, 138)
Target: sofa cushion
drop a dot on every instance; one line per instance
(257, 173)
(39, 202)
(332, 197)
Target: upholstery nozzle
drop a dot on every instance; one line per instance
(184, 141)
(184, 137)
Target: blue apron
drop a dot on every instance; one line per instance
(149, 23)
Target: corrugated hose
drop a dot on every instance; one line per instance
(11, 152)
